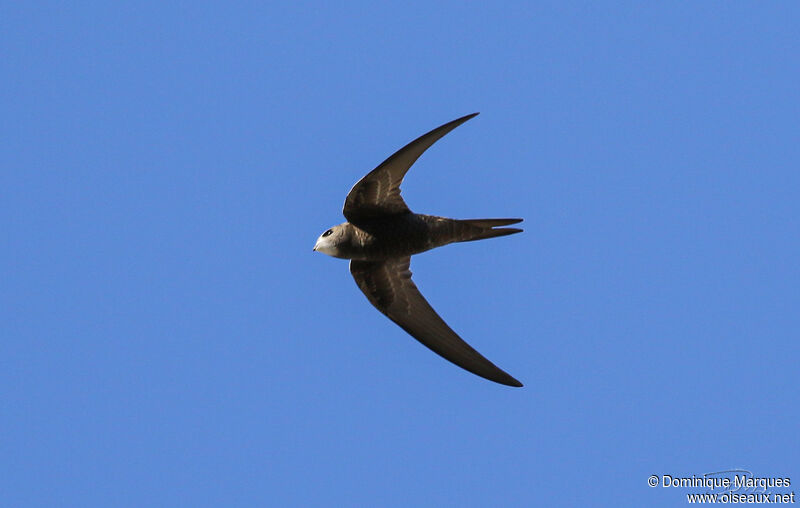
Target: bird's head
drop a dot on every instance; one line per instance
(332, 240)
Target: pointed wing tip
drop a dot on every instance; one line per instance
(509, 381)
(499, 376)
(460, 120)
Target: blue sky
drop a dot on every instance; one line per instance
(170, 339)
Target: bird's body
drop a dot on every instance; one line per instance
(408, 234)
(379, 238)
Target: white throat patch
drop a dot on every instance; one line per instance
(325, 246)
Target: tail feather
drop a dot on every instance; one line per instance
(490, 223)
(479, 229)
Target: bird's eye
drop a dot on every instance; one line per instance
(327, 233)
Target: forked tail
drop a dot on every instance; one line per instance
(478, 229)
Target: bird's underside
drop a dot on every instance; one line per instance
(409, 233)
(382, 234)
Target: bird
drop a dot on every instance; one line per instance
(379, 238)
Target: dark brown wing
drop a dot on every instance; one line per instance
(378, 193)
(389, 288)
